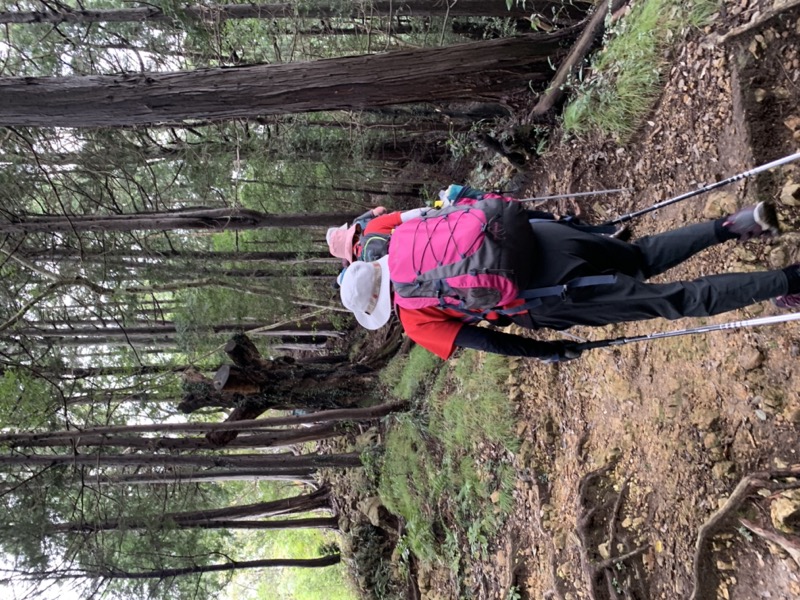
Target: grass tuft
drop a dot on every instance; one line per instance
(626, 74)
(462, 420)
(407, 375)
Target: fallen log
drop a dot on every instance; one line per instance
(593, 30)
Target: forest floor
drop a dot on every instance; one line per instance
(671, 424)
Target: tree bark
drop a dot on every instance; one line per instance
(480, 69)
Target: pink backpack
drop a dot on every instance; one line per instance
(471, 257)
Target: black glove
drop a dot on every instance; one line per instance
(564, 351)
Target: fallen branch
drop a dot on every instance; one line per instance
(594, 29)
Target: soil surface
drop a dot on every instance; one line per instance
(652, 437)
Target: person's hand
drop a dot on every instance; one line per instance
(443, 199)
(564, 351)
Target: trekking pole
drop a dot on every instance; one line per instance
(575, 195)
(704, 329)
(705, 188)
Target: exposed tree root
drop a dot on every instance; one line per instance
(705, 586)
(606, 578)
(412, 584)
(788, 543)
(554, 593)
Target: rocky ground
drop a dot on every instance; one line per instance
(633, 449)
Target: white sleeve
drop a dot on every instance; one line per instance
(412, 214)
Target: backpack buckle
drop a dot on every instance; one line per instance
(564, 290)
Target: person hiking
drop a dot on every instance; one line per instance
(369, 235)
(341, 240)
(560, 277)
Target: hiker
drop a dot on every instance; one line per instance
(368, 237)
(341, 240)
(449, 269)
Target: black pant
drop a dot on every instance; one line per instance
(564, 254)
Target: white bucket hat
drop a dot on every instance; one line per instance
(365, 292)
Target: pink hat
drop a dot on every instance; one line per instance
(340, 242)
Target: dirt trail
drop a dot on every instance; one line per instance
(677, 421)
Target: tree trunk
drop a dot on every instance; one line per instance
(270, 463)
(253, 385)
(216, 13)
(146, 332)
(167, 271)
(262, 439)
(558, 86)
(309, 523)
(345, 414)
(174, 477)
(88, 372)
(479, 69)
(138, 257)
(324, 561)
(101, 397)
(210, 219)
(304, 503)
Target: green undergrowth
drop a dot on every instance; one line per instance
(446, 468)
(626, 74)
(408, 375)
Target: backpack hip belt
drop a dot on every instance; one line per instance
(534, 296)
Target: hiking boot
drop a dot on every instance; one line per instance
(753, 221)
(788, 302)
(791, 300)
